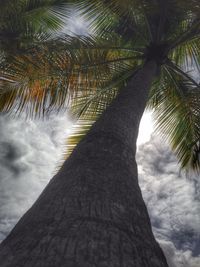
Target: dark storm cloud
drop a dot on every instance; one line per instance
(173, 203)
(10, 155)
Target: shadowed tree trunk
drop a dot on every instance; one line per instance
(92, 213)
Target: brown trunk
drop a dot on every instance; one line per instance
(92, 213)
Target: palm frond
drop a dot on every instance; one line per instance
(124, 18)
(187, 54)
(177, 113)
(188, 30)
(48, 76)
(27, 21)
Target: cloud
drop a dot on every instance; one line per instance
(31, 150)
(77, 24)
(172, 201)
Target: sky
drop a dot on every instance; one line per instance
(31, 151)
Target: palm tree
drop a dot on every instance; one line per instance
(92, 212)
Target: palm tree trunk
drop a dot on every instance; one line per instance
(92, 213)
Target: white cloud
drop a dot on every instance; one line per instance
(30, 151)
(172, 202)
(178, 258)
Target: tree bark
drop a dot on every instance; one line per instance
(92, 213)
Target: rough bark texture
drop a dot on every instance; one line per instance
(92, 213)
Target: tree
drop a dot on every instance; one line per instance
(92, 212)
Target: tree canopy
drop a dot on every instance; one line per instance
(87, 72)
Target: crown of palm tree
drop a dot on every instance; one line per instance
(87, 72)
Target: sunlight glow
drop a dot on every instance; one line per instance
(76, 25)
(146, 128)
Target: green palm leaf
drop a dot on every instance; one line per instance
(24, 22)
(45, 79)
(177, 113)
